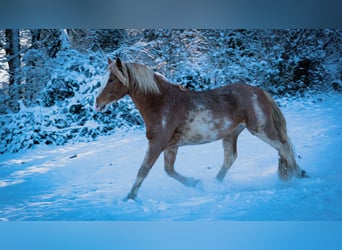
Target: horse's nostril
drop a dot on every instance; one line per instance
(97, 107)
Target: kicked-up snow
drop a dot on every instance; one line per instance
(89, 181)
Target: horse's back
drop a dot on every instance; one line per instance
(238, 89)
(234, 98)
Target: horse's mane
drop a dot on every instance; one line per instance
(136, 75)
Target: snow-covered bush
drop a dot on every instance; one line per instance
(63, 110)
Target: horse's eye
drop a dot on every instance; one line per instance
(110, 80)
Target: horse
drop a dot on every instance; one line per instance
(175, 116)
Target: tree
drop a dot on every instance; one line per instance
(12, 49)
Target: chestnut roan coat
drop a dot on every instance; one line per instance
(175, 116)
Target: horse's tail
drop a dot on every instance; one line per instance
(278, 119)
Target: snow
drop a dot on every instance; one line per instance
(88, 181)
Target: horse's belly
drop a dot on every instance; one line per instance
(204, 127)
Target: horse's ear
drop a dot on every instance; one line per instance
(118, 63)
(109, 61)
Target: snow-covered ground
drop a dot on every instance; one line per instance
(88, 181)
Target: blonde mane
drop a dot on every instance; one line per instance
(136, 75)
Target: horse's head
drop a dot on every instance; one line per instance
(114, 89)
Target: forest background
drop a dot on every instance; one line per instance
(49, 77)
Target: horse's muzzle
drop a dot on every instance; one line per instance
(100, 108)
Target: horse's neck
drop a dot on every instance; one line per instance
(149, 104)
(145, 102)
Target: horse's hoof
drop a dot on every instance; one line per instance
(130, 196)
(191, 182)
(303, 174)
(199, 185)
(219, 178)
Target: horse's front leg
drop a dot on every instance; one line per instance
(152, 154)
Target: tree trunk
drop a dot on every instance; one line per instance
(12, 49)
(35, 33)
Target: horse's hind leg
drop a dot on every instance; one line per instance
(287, 165)
(268, 123)
(169, 162)
(230, 152)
